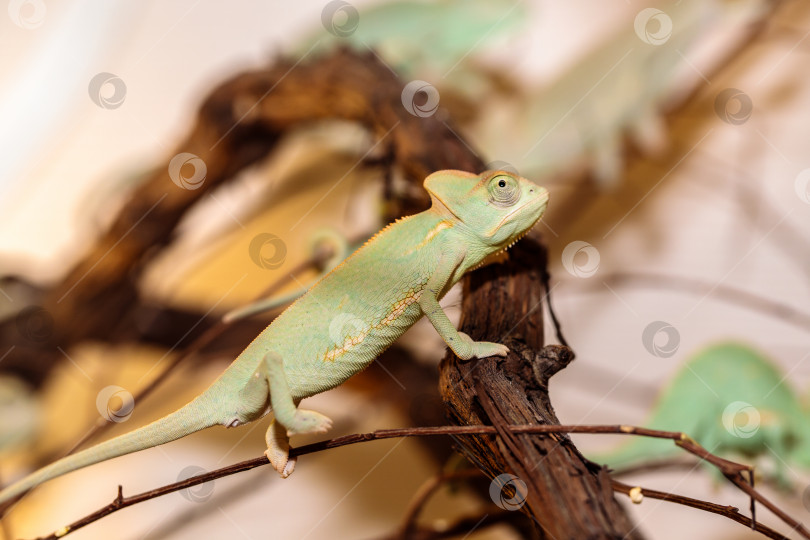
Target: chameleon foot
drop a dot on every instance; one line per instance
(278, 450)
(309, 422)
(281, 462)
(484, 349)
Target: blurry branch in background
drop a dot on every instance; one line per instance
(733, 295)
(423, 495)
(100, 299)
(733, 471)
(572, 205)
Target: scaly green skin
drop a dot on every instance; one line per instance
(701, 399)
(348, 318)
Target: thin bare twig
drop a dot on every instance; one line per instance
(423, 494)
(730, 512)
(733, 471)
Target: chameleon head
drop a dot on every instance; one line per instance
(496, 207)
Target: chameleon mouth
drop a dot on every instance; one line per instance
(543, 201)
(540, 201)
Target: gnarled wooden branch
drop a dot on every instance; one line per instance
(566, 495)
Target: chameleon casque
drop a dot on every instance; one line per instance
(383, 288)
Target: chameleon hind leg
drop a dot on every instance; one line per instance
(289, 419)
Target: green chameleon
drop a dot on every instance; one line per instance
(348, 318)
(419, 38)
(732, 400)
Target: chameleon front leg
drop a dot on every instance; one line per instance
(460, 343)
(289, 419)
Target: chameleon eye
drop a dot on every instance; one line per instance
(503, 190)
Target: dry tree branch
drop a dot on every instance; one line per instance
(726, 511)
(730, 469)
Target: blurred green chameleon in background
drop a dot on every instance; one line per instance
(735, 403)
(426, 39)
(582, 115)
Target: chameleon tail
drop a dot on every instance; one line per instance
(200, 413)
(263, 305)
(327, 246)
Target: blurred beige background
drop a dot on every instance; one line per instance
(686, 215)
